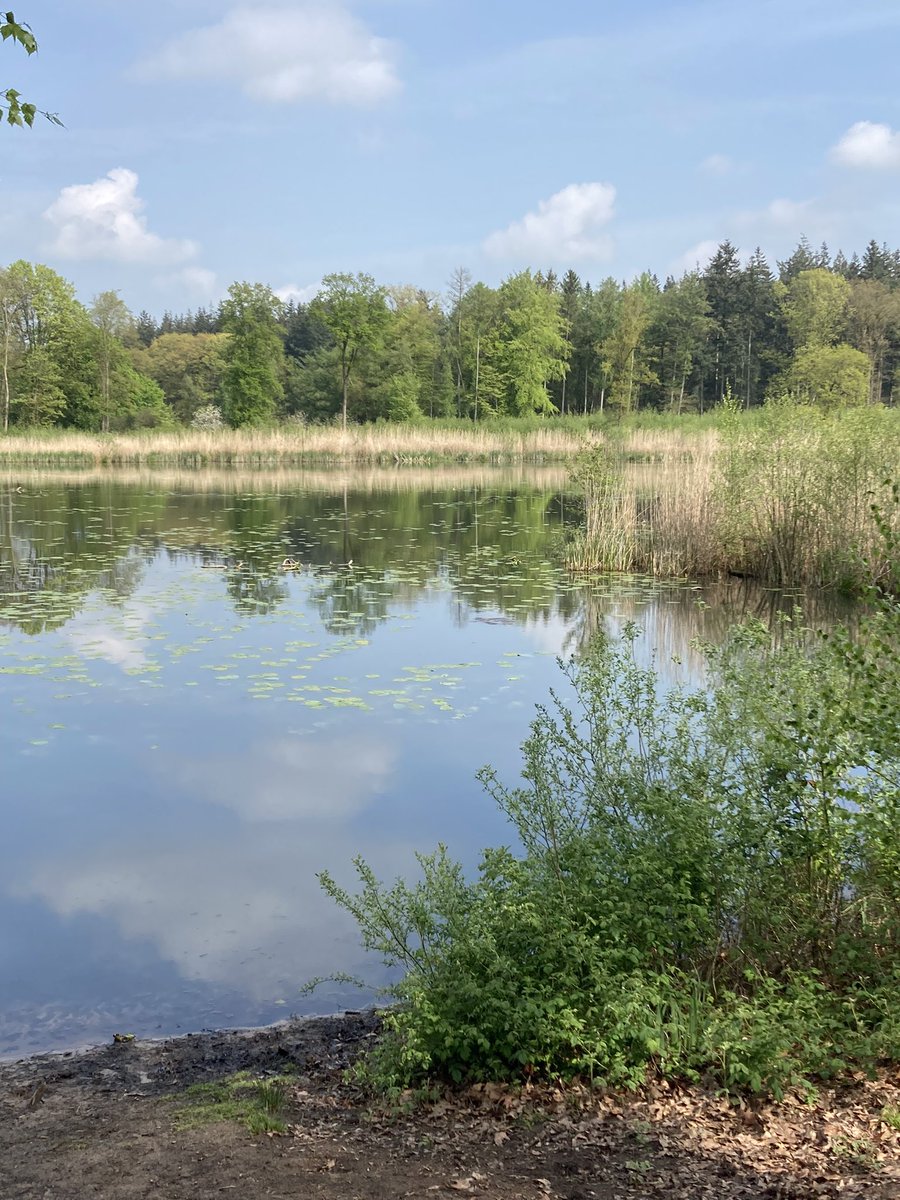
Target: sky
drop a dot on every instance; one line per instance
(207, 142)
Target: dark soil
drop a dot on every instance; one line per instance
(106, 1123)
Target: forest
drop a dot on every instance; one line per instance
(823, 330)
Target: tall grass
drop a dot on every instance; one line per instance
(296, 445)
(290, 445)
(784, 497)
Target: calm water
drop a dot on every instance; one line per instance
(190, 732)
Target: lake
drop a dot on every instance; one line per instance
(193, 727)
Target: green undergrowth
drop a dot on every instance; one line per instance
(255, 1103)
(705, 884)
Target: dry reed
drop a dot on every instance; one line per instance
(292, 446)
(785, 500)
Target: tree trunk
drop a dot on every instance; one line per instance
(6, 381)
(345, 381)
(477, 372)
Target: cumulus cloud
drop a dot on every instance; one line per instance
(105, 219)
(309, 51)
(566, 227)
(868, 144)
(299, 295)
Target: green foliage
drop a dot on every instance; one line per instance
(815, 305)
(530, 349)
(140, 403)
(18, 111)
(252, 384)
(626, 368)
(707, 882)
(829, 376)
(353, 309)
(188, 367)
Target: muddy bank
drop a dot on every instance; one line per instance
(150, 1067)
(119, 1122)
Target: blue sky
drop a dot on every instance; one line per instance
(207, 142)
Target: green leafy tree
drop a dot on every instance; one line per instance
(624, 351)
(354, 309)
(593, 327)
(189, 367)
(139, 401)
(18, 111)
(829, 376)
(460, 282)
(682, 325)
(411, 351)
(252, 385)
(477, 342)
(815, 307)
(532, 346)
(52, 333)
(112, 320)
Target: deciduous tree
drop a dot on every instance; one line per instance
(254, 354)
(353, 307)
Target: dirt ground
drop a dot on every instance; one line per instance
(106, 1123)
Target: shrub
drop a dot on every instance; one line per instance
(707, 882)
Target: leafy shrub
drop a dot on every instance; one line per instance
(708, 881)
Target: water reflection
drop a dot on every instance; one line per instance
(191, 731)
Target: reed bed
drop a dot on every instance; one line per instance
(357, 478)
(785, 500)
(690, 442)
(293, 446)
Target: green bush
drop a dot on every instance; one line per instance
(707, 882)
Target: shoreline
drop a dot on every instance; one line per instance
(128, 1120)
(201, 1055)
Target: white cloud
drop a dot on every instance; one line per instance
(199, 282)
(238, 903)
(717, 164)
(299, 295)
(868, 144)
(302, 779)
(117, 642)
(309, 51)
(565, 227)
(785, 213)
(105, 219)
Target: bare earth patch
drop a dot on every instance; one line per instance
(110, 1123)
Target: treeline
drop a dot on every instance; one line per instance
(822, 330)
